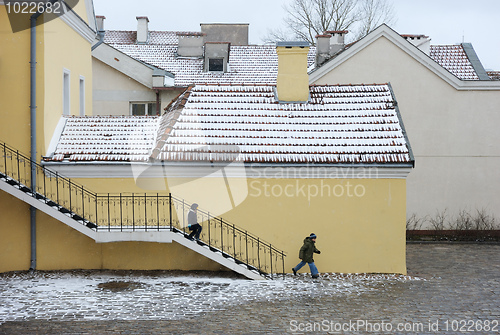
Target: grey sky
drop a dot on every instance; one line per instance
(445, 21)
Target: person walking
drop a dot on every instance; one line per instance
(193, 224)
(306, 255)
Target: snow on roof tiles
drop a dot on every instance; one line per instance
(454, 59)
(106, 138)
(251, 64)
(220, 123)
(341, 124)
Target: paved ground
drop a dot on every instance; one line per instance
(450, 288)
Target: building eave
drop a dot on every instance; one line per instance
(412, 51)
(232, 170)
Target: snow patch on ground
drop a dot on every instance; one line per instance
(84, 295)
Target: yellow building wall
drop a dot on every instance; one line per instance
(15, 242)
(66, 50)
(15, 83)
(360, 225)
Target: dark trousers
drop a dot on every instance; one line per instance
(195, 231)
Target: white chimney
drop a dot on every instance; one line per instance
(322, 48)
(142, 29)
(337, 43)
(100, 22)
(420, 41)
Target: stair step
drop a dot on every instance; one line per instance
(12, 182)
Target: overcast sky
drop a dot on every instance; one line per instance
(445, 21)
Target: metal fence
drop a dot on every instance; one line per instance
(137, 212)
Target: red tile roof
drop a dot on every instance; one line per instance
(454, 59)
(341, 124)
(208, 123)
(252, 64)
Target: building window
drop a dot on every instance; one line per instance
(66, 92)
(143, 108)
(82, 96)
(216, 64)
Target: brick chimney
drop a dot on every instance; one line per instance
(142, 29)
(293, 80)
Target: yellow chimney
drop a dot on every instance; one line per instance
(292, 81)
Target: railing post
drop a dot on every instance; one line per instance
(57, 187)
(283, 261)
(109, 219)
(158, 211)
(221, 235)
(246, 243)
(96, 209)
(170, 209)
(145, 212)
(18, 171)
(258, 253)
(234, 243)
(5, 158)
(121, 212)
(83, 203)
(69, 183)
(209, 224)
(183, 217)
(133, 213)
(271, 256)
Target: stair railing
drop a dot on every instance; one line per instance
(139, 212)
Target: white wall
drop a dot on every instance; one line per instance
(454, 134)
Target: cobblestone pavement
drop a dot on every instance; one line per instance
(450, 288)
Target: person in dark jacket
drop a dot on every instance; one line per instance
(306, 255)
(193, 224)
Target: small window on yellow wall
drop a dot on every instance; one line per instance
(143, 108)
(82, 96)
(66, 92)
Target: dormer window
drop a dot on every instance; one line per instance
(216, 64)
(216, 56)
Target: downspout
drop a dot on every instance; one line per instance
(101, 34)
(33, 156)
(33, 19)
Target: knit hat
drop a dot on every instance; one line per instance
(194, 206)
(312, 236)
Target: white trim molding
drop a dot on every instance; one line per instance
(233, 170)
(412, 51)
(79, 25)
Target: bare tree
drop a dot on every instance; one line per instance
(374, 13)
(307, 18)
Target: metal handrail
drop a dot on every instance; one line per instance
(138, 212)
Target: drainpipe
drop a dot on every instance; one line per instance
(101, 34)
(33, 20)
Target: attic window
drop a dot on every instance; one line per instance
(216, 65)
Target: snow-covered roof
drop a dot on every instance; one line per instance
(340, 124)
(349, 124)
(106, 138)
(454, 59)
(250, 64)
